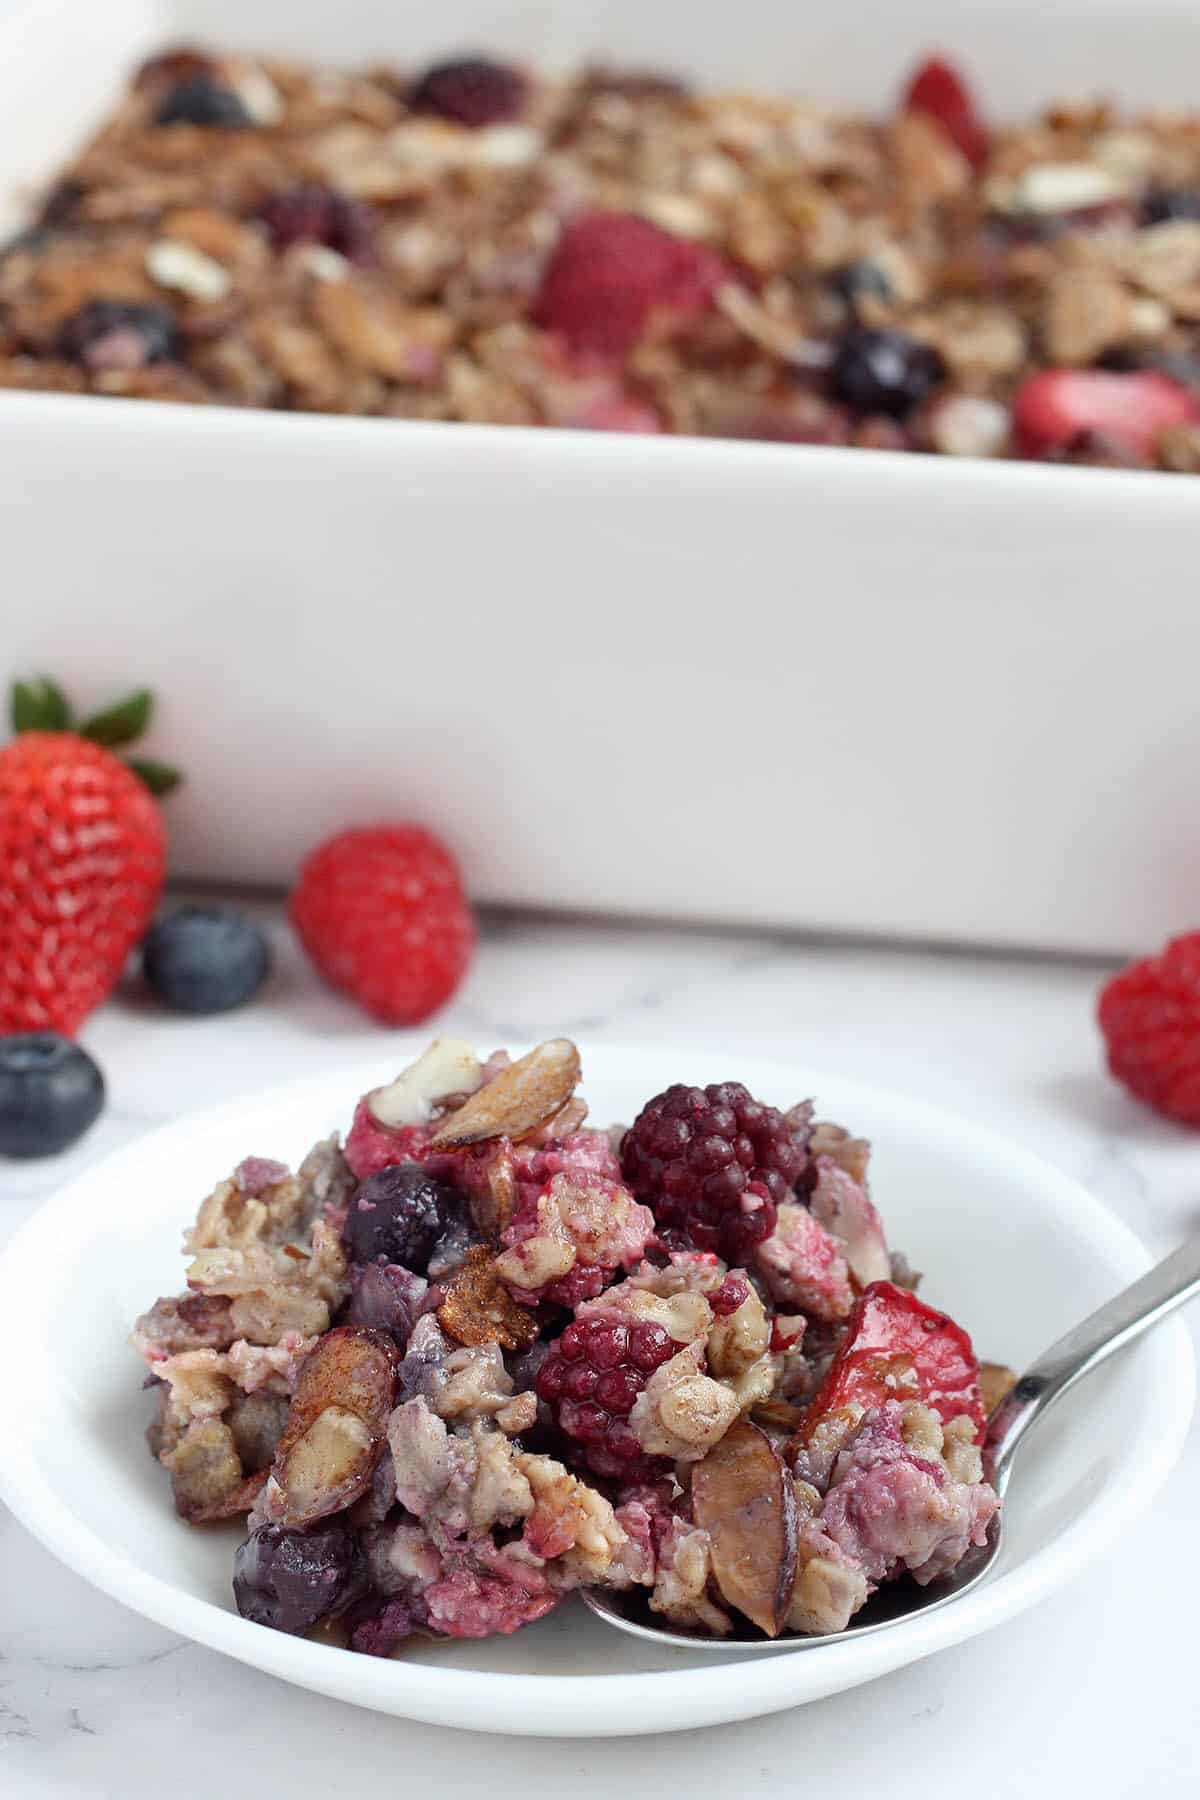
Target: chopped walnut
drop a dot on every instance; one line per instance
(477, 1385)
(681, 1582)
(681, 1412)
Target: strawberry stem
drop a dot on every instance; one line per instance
(123, 723)
(159, 777)
(39, 705)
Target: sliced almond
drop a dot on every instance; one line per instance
(743, 1497)
(518, 1100)
(449, 1067)
(478, 1309)
(336, 1427)
(996, 1382)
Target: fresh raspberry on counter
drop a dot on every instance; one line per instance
(612, 271)
(1150, 1017)
(382, 914)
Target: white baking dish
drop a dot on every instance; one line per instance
(821, 688)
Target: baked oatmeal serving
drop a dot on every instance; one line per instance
(483, 1354)
(620, 252)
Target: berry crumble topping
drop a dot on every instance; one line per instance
(487, 1354)
(615, 250)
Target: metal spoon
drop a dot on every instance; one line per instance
(1083, 1349)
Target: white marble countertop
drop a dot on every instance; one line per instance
(1094, 1691)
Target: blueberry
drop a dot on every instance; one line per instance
(202, 100)
(400, 1214)
(855, 281)
(290, 1579)
(119, 334)
(50, 1093)
(884, 372)
(205, 959)
(1162, 203)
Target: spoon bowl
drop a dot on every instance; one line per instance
(1109, 1329)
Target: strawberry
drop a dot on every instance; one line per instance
(82, 857)
(612, 272)
(382, 914)
(1055, 407)
(897, 1348)
(939, 91)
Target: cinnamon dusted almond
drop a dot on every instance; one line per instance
(743, 1497)
(996, 1382)
(518, 1100)
(335, 1429)
(478, 1309)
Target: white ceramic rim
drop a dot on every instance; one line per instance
(703, 1693)
(662, 456)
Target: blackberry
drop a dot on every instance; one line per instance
(290, 1579)
(313, 213)
(591, 1378)
(400, 1215)
(119, 334)
(713, 1165)
(884, 371)
(200, 99)
(470, 91)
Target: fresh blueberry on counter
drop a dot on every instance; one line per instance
(205, 959)
(51, 1092)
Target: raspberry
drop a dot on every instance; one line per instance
(591, 1379)
(313, 213)
(471, 91)
(1057, 407)
(612, 271)
(713, 1164)
(1150, 1017)
(382, 914)
(939, 92)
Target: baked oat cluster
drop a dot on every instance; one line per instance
(619, 252)
(472, 1361)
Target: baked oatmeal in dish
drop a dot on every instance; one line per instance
(483, 1354)
(617, 251)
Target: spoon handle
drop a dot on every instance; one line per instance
(1168, 1285)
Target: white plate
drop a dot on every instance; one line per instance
(1009, 1245)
